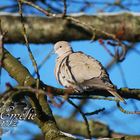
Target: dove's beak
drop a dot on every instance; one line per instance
(52, 51)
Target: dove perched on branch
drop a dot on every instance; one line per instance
(80, 71)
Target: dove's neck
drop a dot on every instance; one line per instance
(63, 55)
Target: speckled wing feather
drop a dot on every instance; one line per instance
(83, 67)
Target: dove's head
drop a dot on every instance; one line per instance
(62, 48)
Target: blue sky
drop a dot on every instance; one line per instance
(116, 120)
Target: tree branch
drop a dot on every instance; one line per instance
(67, 30)
(74, 127)
(23, 77)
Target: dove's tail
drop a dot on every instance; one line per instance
(114, 93)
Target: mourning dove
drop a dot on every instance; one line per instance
(80, 71)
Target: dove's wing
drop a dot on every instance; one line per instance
(83, 67)
(89, 73)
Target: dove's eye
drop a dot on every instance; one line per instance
(60, 46)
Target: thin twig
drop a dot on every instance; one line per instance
(125, 111)
(90, 96)
(44, 60)
(128, 48)
(123, 53)
(84, 117)
(27, 44)
(94, 112)
(82, 103)
(1, 50)
(2, 34)
(106, 48)
(37, 7)
(122, 74)
(65, 8)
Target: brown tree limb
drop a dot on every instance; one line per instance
(16, 70)
(72, 126)
(75, 127)
(66, 30)
(23, 77)
(98, 129)
(27, 44)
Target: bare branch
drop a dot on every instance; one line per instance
(37, 7)
(84, 117)
(65, 7)
(75, 127)
(65, 30)
(27, 44)
(15, 68)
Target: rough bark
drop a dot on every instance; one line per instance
(44, 30)
(98, 129)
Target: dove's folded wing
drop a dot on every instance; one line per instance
(83, 67)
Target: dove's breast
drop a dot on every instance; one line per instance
(63, 73)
